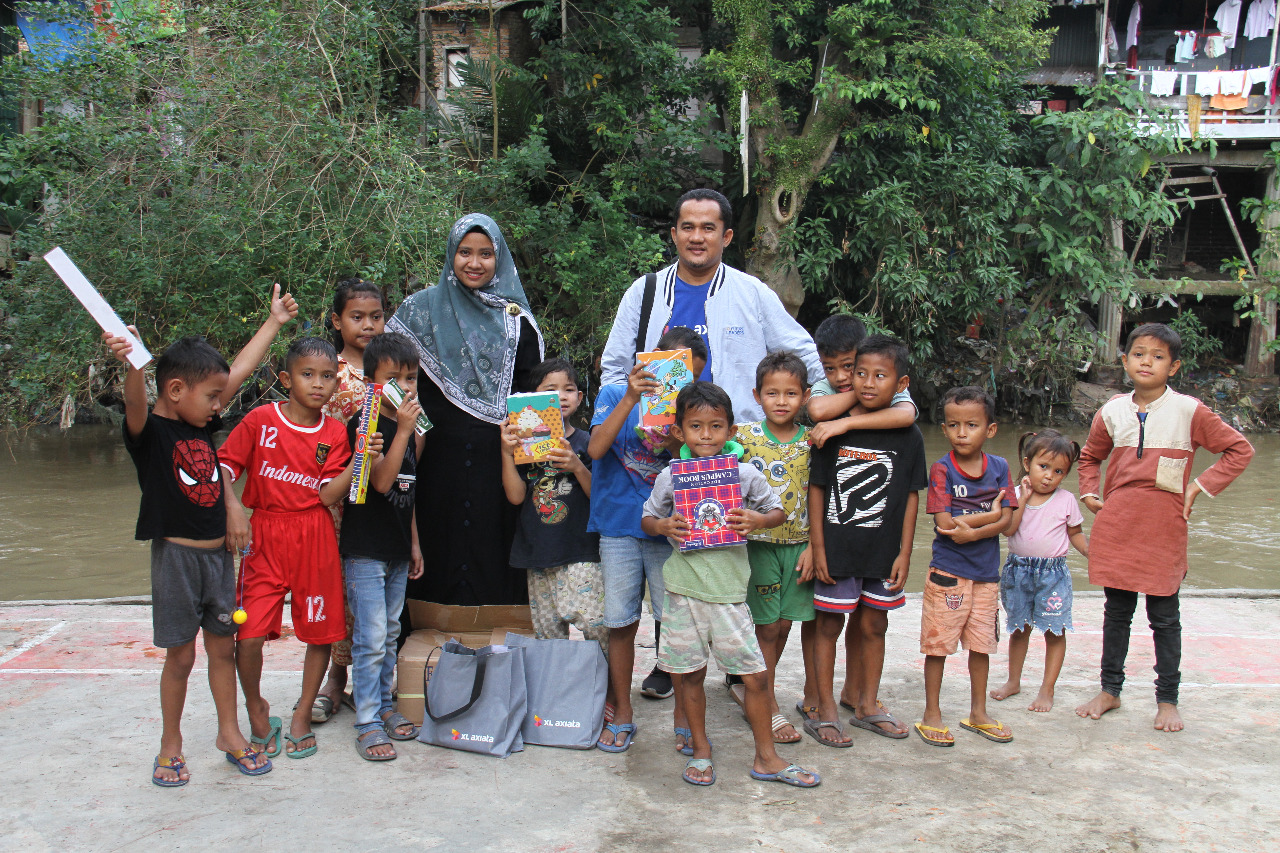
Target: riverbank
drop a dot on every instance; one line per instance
(79, 725)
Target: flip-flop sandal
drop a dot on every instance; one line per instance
(987, 730)
(687, 749)
(869, 723)
(792, 774)
(276, 725)
(322, 710)
(302, 753)
(176, 763)
(702, 765)
(778, 722)
(238, 756)
(349, 700)
(853, 708)
(814, 726)
(395, 721)
(627, 729)
(738, 693)
(805, 710)
(370, 739)
(921, 728)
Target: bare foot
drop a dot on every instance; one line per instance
(1167, 717)
(1004, 691)
(300, 725)
(232, 748)
(1044, 700)
(608, 738)
(260, 727)
(1098, 705)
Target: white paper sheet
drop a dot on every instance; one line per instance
(93, 302)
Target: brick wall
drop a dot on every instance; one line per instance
(514, 42)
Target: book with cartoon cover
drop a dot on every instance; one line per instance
(673, 369)
(536, 417)
(705, 490)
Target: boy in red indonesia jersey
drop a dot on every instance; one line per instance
(297, 462)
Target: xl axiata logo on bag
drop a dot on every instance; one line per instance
(457, 735)
(561, 724)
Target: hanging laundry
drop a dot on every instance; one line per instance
(1229, 102)
(1233, 82)
(1228, 18)
(1271, 85)
(1260, 20)
(1258, 75)
(1135, 20)
(1215, 45)
(1207, 82)
(1186, 47)
(1162, 83)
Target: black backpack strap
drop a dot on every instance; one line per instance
(646, 308)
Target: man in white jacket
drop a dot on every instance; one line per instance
(738, 316)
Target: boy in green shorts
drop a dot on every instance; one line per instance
(779, 448)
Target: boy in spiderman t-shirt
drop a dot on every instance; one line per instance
(193, 582)
(297, 462)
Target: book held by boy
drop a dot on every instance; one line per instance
(673, 369)
(705, 490)
(537, 420)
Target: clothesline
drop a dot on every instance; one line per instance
(1235, 83)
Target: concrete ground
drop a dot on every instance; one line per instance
(79, 724)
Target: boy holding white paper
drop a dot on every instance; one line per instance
(183, 513)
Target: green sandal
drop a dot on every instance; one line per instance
(302, 753)
(277, 725)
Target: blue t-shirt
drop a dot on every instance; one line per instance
(689, 309)
(951, 490)
(622, 479)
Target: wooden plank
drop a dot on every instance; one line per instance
(1190, 287)
(1179, 182)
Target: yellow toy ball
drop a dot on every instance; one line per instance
(239, 617)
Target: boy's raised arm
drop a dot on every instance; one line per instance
(135, 383)
(283, 309)
(384, 473)
(639, 382)
(512, 483)
(333, 491)
(897, 416)
(827, 407)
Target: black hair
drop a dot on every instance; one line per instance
(839, 333)
(1160, 332)
(303, 347)
(550, 366)
(703, 194)
(888, 346)
(346, 289)
(703, 395)
(389, 346)
(968, 394)
(783, 361)
(682, 337)
(1050, 441)
(191, 359)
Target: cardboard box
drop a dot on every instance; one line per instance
(436, 624)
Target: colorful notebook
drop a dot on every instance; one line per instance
(673, 369)
(705, 490)
(536, 418)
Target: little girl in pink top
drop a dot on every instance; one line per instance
(1035, 586)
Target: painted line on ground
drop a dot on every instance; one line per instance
(32, 643)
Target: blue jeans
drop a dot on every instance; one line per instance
(629, 565)
(375, 593)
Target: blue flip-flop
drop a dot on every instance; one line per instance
(790, 775)
(687, 749)
(277, 725)
(236, 756)
(176, 763)
(702, 765)
(628, 729)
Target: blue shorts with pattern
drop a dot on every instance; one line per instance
(1036, 592)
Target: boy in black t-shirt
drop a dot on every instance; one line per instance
(863, 496)
(565, 582)
(380, 552)
(193, 581)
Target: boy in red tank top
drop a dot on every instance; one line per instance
(297, 462)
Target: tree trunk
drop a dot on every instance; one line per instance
(769, 261)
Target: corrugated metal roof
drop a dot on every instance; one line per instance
(471, 5)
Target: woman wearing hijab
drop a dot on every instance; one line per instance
(478, 342)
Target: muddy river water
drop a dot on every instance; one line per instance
(69, 501)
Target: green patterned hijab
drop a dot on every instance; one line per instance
(467, 339)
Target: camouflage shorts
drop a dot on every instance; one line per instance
(568, 595)
(693, 630)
